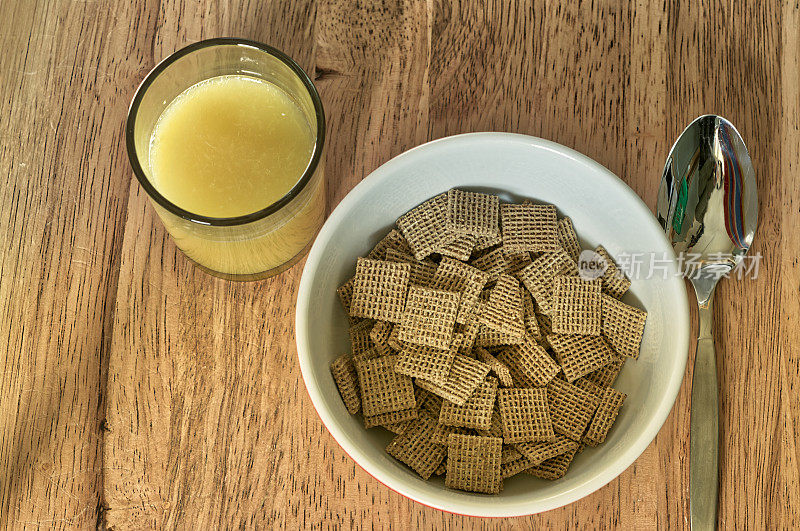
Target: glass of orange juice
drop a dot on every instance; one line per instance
(226, 137)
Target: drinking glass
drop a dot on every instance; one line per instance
(255, 245)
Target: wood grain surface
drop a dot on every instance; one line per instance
(137, 392)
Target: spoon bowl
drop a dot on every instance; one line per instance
(707, 201)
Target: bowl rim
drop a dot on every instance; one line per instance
(609, 473)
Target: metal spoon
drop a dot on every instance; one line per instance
(708, 206)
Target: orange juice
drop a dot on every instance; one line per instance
(229, 146)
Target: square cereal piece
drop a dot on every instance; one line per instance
(513, 255)
(503, 312)
(452, 275)
(606, 375)
(568, 239)
(394, 340)
(464, 338)
(494, 263)
(496, 428)
(539, 276)
(606, 414)
(429, 317)
(441, 469)
(517, 262)
(383, 349)
(393, 255)
(422, 272)
(580, 355)
(496, 366)
(540, 452)
(555, 467)
(577, 307)
(506, 357)
(514, 467)
(460, 248)
(415, 448)
(529, 316)
(529, 363)
(591, 387)
(476, 412)
(379, 290)
(615, 283)
(545, 327)
(398, 427)
(623, 326)
(529, 227)
(442, 432)
(371, 354)
(380, 332)
(382, 389)
(394, 240)
(345, 292)
(509, 453)
(473, 213)
(470, 332)
(464, 376)
(524, 415)
(484, 242)
(425, 226)
(346, 378)
(428, 363)
(462, 342)
(429, 404)
(469, 354)
(404, 416)
(473, 463)
(571, 408)
(487, 337)
(360, 339)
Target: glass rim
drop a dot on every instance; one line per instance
(293, 192)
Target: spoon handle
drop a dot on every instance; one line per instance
(704, 431)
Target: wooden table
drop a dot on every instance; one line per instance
(137, 392)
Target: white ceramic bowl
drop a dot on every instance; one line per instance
(604, 211)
